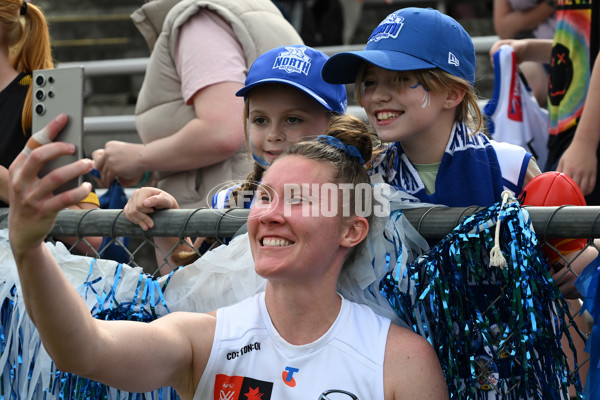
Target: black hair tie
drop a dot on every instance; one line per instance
(24, 8)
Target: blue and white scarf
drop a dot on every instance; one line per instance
(469, 173)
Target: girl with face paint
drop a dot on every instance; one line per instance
(415, 81)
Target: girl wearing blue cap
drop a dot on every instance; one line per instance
(415, 81)
(285, 100)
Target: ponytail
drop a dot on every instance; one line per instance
(29, 44)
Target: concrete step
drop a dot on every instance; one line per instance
(88, 30)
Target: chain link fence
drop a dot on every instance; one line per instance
(433, 223)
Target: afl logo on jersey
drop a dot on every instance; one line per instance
(293, 60)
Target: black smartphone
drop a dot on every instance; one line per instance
(57, 91)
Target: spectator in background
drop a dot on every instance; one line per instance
(518, 19)
(24, 47)
(322, 23)
(352, 11)
(187, 115)
(588, 132)
(572, 146)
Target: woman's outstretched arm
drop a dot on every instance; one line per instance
(133, 356)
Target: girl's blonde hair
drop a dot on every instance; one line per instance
(467, 111)
(28, 40)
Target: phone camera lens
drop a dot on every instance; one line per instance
(40, 109)
(51, 79)
(40, 95)
(40, 80)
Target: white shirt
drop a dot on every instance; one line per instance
(250, 358)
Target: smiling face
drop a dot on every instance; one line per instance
(280, 115)
(400, 108)
(286, 243)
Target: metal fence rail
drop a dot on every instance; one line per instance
(482, 44)
(131, 66)
(433, 223)
(430, 222)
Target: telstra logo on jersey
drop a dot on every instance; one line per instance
(288, 376)
(293, 60)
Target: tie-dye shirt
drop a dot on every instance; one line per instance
(569, 72)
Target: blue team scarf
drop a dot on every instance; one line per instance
(469, 173)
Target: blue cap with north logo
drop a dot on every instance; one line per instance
(410, 39)
(298, 66)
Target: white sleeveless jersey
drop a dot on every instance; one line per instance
(249, 360)
(513, 160)
(513, 113)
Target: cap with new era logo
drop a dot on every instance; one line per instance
(410, 39)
